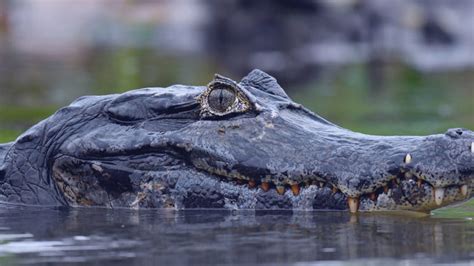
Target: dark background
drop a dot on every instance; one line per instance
(380, 66)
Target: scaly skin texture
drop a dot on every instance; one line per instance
(183, 147)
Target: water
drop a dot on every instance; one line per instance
(205, 237)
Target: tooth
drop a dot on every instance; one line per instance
(252, 183)
(265, 186)
(373, 196)
(295, 189)
(353, 204)
(280, 190)
(463, 190)
(419, 183)
(395, 182)
(439, 195)
(97, 167)
(407, 159)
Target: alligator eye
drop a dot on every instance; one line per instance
(221, 99)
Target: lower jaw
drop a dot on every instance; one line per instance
(416, 194)
(391, 200)
(394, 199)
(402, 196)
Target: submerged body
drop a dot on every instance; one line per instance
(229, 145)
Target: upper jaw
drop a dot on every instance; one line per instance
(397, 186)
(397, 179)
(355, 182)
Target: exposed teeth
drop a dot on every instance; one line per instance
(373, 196)
(265, 186)
(419, 183)
(280, 190)
(252, 183)
(295, 189)
(353, 204)
(97, 167)
(407, 159)
(395, 182)
(439, 195)
(463, 190)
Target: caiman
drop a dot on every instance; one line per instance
(230, 145)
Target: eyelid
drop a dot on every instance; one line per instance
(241, 104)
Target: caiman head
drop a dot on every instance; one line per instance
(245, 145)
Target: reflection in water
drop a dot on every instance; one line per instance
(221, 237)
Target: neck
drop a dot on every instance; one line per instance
(22, 181)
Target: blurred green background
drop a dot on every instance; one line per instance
(407, 71)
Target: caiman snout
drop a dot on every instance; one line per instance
(435, 171)
(457, 133)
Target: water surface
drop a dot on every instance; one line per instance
(205, 237)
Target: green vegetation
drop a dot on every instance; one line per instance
(130, 68)
(15, 119)
(411, 103)
(465, 210)
(8, 135)
(7, 259)
(24, 115)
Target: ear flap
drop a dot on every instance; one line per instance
(264, 82)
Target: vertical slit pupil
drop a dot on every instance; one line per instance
(220, 99)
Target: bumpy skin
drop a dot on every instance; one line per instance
(167, 148)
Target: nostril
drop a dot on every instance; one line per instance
(455, 132)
